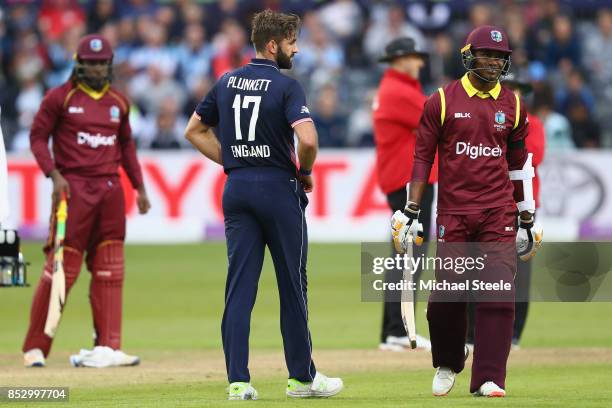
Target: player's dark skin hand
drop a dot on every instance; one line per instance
(144, 205)
(307, 183)
(60, 186)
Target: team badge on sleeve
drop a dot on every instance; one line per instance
(304, 110)
(114, 113)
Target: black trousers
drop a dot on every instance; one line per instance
(392, 315)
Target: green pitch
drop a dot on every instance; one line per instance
(173, 302)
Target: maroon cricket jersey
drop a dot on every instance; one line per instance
(90, 130)
(471, 130)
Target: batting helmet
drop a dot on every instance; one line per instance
(93, 47)
(486, 38)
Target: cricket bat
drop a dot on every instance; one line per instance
(58, 282)
(407, 301)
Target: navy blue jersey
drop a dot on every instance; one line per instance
(255, 109)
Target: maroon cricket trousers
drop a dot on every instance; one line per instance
(96, 227)
(490, 228)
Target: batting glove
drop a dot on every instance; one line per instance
(405, 223)
(528, 239)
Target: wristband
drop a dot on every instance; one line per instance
(412, 207)
(304, 172)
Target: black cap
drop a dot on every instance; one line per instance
(401, 47)
(520, 81)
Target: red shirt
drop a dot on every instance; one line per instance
(90, 130)
(471, 130)
(397, 109)
(535, 143)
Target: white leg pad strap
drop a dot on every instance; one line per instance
(526, 175)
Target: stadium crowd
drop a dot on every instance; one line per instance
(169, 53)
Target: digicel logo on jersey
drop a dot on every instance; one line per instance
(474, 152)
(95, 140)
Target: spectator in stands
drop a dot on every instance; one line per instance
(360, 129)
(168, 16)
(598, 64)
(150, 88)
(392, 27)
(574, 89)
(29, 70)
(60, 56)
(479, 14)
(57, 16)
(564, 46)
(155, 50)
(586, 132)
(342, 19)
(445, 64)
(516, 28)
(194, 55)
(192, 13)
(598, 51)
(136, 8)
(196, 92)
(331, 123)
(102, 12)
(169, 127)
(540, 32)
(126, 40)
(556, 126)
(319, 54)
(232, 48)
(218, 12)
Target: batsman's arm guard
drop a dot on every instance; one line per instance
(529, 235)
(526, 175)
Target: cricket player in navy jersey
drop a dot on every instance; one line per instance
(256, 111)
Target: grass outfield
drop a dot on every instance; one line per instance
(172, 310)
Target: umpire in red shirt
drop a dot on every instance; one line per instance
(397, 110)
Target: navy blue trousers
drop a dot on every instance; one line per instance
(265, 206)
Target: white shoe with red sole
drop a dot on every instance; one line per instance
(490, 390)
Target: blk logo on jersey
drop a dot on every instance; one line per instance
(76, 109)
(114, 113)
(463, 115)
